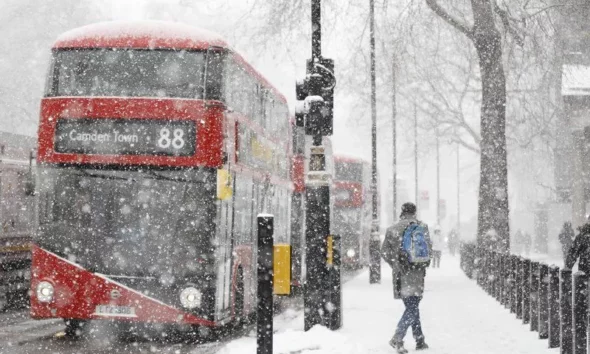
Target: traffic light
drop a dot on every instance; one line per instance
(317, 93)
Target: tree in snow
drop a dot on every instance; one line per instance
(493, 211)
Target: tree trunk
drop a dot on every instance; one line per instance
(493, 213)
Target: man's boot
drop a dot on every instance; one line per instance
(421, 344)
(398, 345)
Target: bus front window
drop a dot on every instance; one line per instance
(128, 73)
(128, 222)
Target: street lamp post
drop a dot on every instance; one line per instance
(394, 139)
(374, 243)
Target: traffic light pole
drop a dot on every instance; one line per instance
(317, 91)
(375, 242)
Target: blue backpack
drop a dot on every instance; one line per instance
(415, 244)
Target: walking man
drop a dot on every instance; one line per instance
(407, 249)
(437, 246)
(580, 250)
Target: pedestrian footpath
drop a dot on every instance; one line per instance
(458, 317)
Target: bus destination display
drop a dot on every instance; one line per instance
(125, 137)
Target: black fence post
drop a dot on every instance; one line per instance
(494, 271)
(543, 301)
(554, 318)
(565, 310)
(580, 311)
(519, 286)
(526, 291)
(513, 278)
(265, 287)
(501, 278)
(534, 296)
(334, 305)
(478, 265)
(489, 272)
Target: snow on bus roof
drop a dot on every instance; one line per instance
(139, 34)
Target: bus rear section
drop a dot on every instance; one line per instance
(351, 215)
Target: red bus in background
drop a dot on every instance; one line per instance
(158, 146)
(352, 209)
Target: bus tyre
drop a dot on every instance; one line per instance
(3, 300)
(75, 328)
(125, 332)
(239, 300)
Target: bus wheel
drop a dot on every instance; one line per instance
(75, 328)
(239, 300)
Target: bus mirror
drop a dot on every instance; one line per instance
(30, 184)
(30, 180)
(224, 185)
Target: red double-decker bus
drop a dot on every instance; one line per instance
(352, 209)
(158, 146)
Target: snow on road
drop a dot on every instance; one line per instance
(457, 318)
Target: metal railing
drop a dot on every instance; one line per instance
(552, 301)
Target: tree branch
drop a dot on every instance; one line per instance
(448, 18)
(507, 26)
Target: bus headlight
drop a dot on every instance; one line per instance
(44, 291)
(350, 253)
(190, 298)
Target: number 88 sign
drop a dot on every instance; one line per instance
(177, 139)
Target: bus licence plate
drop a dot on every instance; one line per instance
(109, 310)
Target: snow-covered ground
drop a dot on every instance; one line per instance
(457, 318)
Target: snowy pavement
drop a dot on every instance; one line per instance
(457, 318)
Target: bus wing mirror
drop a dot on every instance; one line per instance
(31, 180)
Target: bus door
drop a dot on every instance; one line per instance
(224, 258)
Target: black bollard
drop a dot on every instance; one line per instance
(526, 291)
(543, 301)
(580, 311)
(534, 296)
(519, 286)
(334, 304)
(565, 311)
(264, 324)
(554, 318)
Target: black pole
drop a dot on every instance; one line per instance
(374, 247)
(394, 138)
(526, 291)
(554, 318)
(534, 296)
(317, 196)
(317, 229)
(265, 284)
(543, 302)
(519, 286)
(507, 275)
(580, 311)
(316, 29)
(565, 310)
(512, 281)
(498, 276)
(334, 306)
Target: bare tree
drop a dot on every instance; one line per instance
(493, 212)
